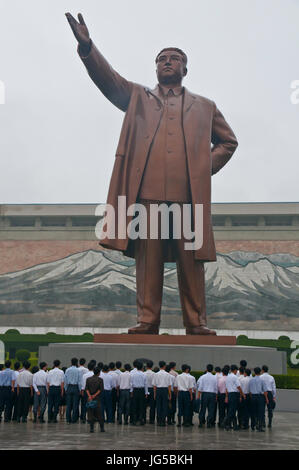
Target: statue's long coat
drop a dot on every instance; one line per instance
(203, 124)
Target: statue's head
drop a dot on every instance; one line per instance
(171, 66)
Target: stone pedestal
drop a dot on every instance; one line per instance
(197, 355)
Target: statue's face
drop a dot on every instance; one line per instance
(170, 67)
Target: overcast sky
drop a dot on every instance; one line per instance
(58, 133)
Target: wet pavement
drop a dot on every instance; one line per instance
(30, 436)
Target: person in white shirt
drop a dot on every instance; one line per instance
(24, 391)
(17, 366)
(172, 404)
(115, 389)
(109, 385)
(150, 402)
(55, 381)
(244, 410)
(233, 391)
(207, 391)
(184, 386)
(83, 394)
(40, 398)
(194, 401)
(124, 395)
(271, 389)
(162, 393)
(117, 371)
(83, 370)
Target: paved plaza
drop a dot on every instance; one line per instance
(283, 435)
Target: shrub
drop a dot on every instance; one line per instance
(12, 332)
(23, 355)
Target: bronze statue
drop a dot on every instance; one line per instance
(164, 155)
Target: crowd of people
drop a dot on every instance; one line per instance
(231, 397)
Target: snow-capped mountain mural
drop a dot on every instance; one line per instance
(98, 288)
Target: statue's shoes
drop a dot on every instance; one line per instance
(144, 329)
(199, 330)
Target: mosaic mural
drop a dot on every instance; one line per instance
(244, 289)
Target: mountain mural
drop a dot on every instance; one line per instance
(243, 289)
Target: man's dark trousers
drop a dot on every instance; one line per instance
(54, 398)
(72, 403)
(233, 400)
(124, 405)
(162, 404)
(184, 406)
(222, 408)
(208, 402)
(107, 405)
(40, 401)
(270, 407)
(83, 400)
(6, 402)
(150, 402)
(14, 402)
(24, 402)
(257, 409)
(138, 404)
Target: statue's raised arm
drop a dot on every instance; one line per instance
(116, 88)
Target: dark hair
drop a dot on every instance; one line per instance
(63, 368)
(100, 365)
(172, 365)
(135, 362)
(149, 363)
(241, 370)
(105, 368)
(82, 361)
(243, 363)
(217, 369)
(248, 372)
(34, 369)
(257, 370)
(56, 363)
(162, 364)
(118, 364)
(174, 49)
(26, 364)
(265, 368)
(156, 369)
(127, 367)
(96, 370)
(74, 361)
(233, 367)
(210, 367)
(225, 370)
(184, 367)
(1, 366)
(91, 366)
(7, 364)
(111, 365)
(42, 364)
(167, 368)
(17, 365)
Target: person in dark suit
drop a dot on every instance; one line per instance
(94, 388)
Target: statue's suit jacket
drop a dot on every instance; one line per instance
(203, 124)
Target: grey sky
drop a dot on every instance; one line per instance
(58, 134)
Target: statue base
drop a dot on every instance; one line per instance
(197, 351)
(165, 339)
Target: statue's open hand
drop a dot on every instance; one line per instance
(80, 30)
